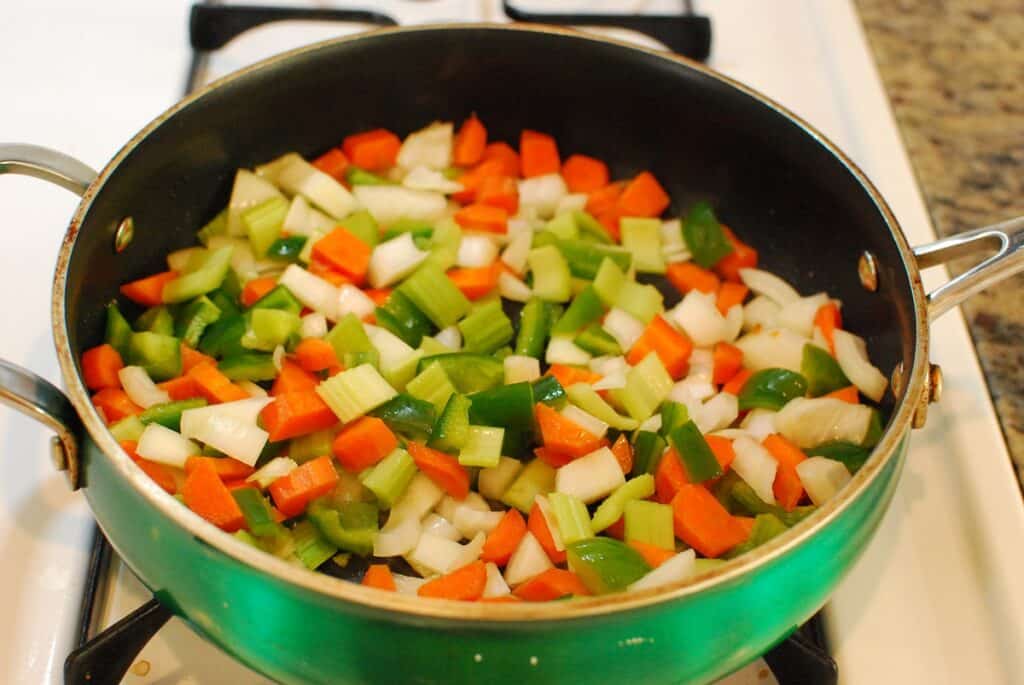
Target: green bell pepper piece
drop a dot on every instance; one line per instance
(259, 518)
(704, 236)
(468, 372)
(535, 322)
(193, 319)
(605, 564)
(352, 526)
(287, 249)
(119, 331)
(280, 298)
(548, 390)
(249, 366)
(585, 308)
(822, 372)
(225, 301)
(584, 257)
(673, 415)
(771, 389)
(875, 428)
(268, 328)
(452, 428)
(156, 320)
(509, 407)
(590, 228)
(597, 341)
(749, 503)
(168, 414)
(697, 458)
(647, 450)
(159, 355)
(851, 455)
(766, 527)
(224, 337)
(400, 316)
(407, 416)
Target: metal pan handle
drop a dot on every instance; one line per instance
(1006, 238)
(20, 388)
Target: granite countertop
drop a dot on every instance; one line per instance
(954, 73)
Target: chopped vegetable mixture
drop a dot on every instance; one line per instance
(452, 360)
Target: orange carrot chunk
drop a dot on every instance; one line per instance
(570, 375)
(669, 477)
(476, 282)
(226, 468)
(506, 156)
(552, 458)
(672, 347)
(148, 291)
(379, 576)
(293, 378)
(206, 495)
(563, 435)
(466, 584)
(470, 142)
(742, 257)
(363, 443)
(161, 474)
(333, 163)
(499, 191)
(214, 385)
(703, 523)
(483, 218)
(787, 487)
(722, 449)
(654, 556)
(687, 276)
(604, 200)
(344, 252)
(623, 452)
(180, 388)
(828, 320)
(729, 295)
(256, 288)
(643, 196)
(847, 394)
(315, 478)
(319, 267)
(538, 154)
(374, 150)
(444, 469)
(554, 583)
(728, 360)
(315, 354)
(584, 174)
(100, 366)
(115, 404)
(736, 383)
(292, 414)
(503, 540)
(538, 527)
(191, 358)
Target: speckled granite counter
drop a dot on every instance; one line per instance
(954, 73)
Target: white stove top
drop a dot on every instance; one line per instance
(932, 601)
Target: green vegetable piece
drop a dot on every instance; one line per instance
(647, 450)
(749, 503)
(231, 286)
(279, 298)
(613, 507)
(771, 389)
(226, 302)
(311, 445)
(444, 245)
(766, 527)
(642, 301)
(701, 565)
(310, 547)
(584, 258)
(590, 228)
(647, 385)
(548, 390)
(168, 414)
(822, 372)
(704, 236)
(605, 564)
(483, 447)
(551, 275)
(128, 428)
(362, 225)
(433, 386)
(351, 344)
(407, 416)
(400, 316)
(509, 407)
(875, 429)
(287, 249)
(697, 458)
(852, 456)
(535, 323)
(435, 295)
(263, 223)
(673, 415)
(361, 177)
(269, 328)
(452, 428)
(206, 278)
(194, 318)
(468, 372)
(571, 517)
(156, 320)
(390, 477)
(642, 238)
(650, 523)
(597, 341)
(564, 226)
(486, 329)
(259, 518)
(587, 399)
(218, 225)
(536, 478)
(404, 371)
(609, 281)
(248, 366)
(351, 526)
(224, 337)
(585, 308)
(119, 331)
(419, 230)
(159, 355)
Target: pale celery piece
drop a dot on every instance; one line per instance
(482, 447)
(642, 301)
(435, 295)
(563, 226)
(263, 223)
(432, 385)
(218, 225)
(642, 237)
(571, 517)
(390, 477)
(207, 277)
(551, 278)
(354, 392)
(444, 244)
(400, 374)
(486, 329)
(587, 399)
(128, 428)
(647, 386)
(536, 478)
(650, 523)
(609, 281)
(612, 508)
(311, 445)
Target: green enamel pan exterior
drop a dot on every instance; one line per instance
(775, 180)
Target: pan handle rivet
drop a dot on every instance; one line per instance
(934, 383)
(124, 234)
(867, 269)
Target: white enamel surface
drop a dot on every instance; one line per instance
(934, 600)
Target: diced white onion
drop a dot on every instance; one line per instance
(520, 368)
(517, 250)
(302, 219)
(251, 388)
(822, 478)
(272, 169)
(388, 204)
(430, 147)
(672, 245)
(691, 390)
(733, 322)
(278, 357)
(623, 326)
(422, 178)
(440, 526)
(702, 365)
(140, 388)
(352, 300)
(766, 283)
(542, 194)
(242, 440)
(492, 482)
(611, 381)
(450, 337)
(435, 553)
(448, 504)
(590, 477)
(476, 251)
(810, 422)
(248, 191)
(851, 353)
(470, 521)
(756, 466)
(397, 540)
(243, 410)
(717, 413)
(496, 585)
(760, 312)
(161, 444)
(698, 316)
(314, 325)
(406, 585)
(299, 177)
(573, 202)
(511, 288)
(420, 496)
(562, 350)
(760, 423)
(673, 570)
(773, 348)
(798, 315)
(393, 350)
(471, 550)
(271, 471)
(393, 260)
(528, 560)
(311, 290)
(586, 421)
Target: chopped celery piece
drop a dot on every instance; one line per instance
(306, 255)
(310, 547)
(361, 177)
(571, 517)
(647, 385)
(468, 372)
(551, 278)
(287, 249)
(263, 224)
(563, 226)
(400, 316)
(259, 518)
(650, 523)
(605, 564)
(647, 450)
(311, 445)
(748, 502)
(168, 414)
(510, 407)
(399, 375)
(269, 328)
(766, 527)
(536, 478)
(696, 456)
(435, 295)
(452, 428)
(224, 338)
(205, 279)
(248, 366)
(612, 508)
(218, 225)
(362, 225)
(351, 344)
(118, 331)
(482, 447)
(390, 477)
(609, 281)
(597, 341)
(771, 389)
(535, 323)
(193, 319)
(590, 228)
(673, 415)
(128, 428)
(279, 298)
(432, 347)
(486, 329)
(354, 392)
(432, 385)
(642, 301)
(159, 355)
(351, 526)
(585, 308)
(852, 456)
(548, 390)
(822, 371)
(584, 258)
(421, 231)
(587, 399)
(642, 238)
(704, 236)
(232, 287)
(444, 244)
(156, 320)
(408, 416)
